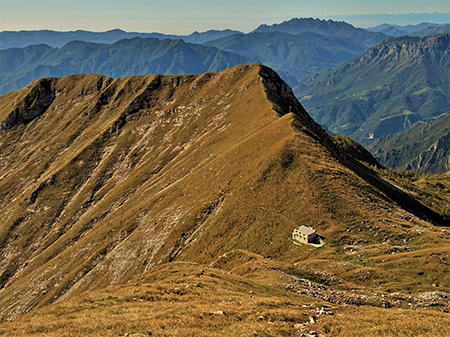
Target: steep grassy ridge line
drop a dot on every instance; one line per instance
(94, 160)
(79, 170)
(117, 176)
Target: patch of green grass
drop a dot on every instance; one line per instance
(422, 91)
(361, 94)
(381, 87)
(405, 112)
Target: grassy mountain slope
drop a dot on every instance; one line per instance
(126, 57)
(294, 57)
(423, 149)
(104, 180)
(196, 300)
(386, 90)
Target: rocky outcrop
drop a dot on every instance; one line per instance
(141, 101)
(402, 49)
(423, 149)
(437, 156)
(284, 101)
(39, 97)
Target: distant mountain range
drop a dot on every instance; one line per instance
(422, 29)
(443, 29)
(20, 66)
(423, 149)
(407, 29)
(392, 86)
(294, 57)
(297, 49)
(9, 39)
(325, 27)
(20, 39)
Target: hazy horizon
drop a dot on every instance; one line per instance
(185, 17)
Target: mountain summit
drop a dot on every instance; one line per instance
(105, 181)
(326, 27)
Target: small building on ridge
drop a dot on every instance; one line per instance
(304, 234)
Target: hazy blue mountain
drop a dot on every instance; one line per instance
(422, 29)
(442, 29)
(406, 28)
(325, 27)
(423, 149)
(388, 89)
(209, 35)
(9, 39)
(294, 57)
(394, 32)
(137, 56)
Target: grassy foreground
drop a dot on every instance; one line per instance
(185, 299)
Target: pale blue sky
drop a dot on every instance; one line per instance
(184, 17)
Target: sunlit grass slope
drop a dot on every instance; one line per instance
(103, 180)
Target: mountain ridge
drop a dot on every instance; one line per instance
(423, 149)
(422, 29)
(120, 176)
(122, 58)
(327, 27)
(55, 39)
(387, 89)
(294, 57)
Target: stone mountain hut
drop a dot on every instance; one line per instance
(304, 234)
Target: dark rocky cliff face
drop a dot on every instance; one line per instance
(38, 98)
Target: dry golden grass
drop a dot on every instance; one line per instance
(203, 167)
(174, 300)
(185, 299)
(375, 322)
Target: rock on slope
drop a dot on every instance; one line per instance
(103, 179)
